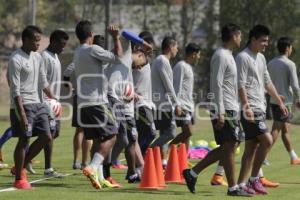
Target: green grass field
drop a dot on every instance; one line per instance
(78, 187)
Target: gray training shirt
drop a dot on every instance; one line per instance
(25, 73)
(254, 77)
(119, 75)
(53, 72)
(223, 81)
(284, 76)
(164, 96)
(143, 86)
(89, 73)
(183, 81)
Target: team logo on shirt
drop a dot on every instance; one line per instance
(262, 125)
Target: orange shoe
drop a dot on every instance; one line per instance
(92, 174)
(266, 183)
(22, 184)
(119, 166)
(295, 161)
(218, 180)
(114, 183)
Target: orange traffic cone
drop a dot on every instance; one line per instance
(172, 171)
(149, 177)
(182, 158)
(158, 166)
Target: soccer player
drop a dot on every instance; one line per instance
(96, 117)
(224, 112)
(164, 96)
(143, 99)
(183, 81)
(29, 117)
(58, 41)
(119, 77)
(284, 76)
(79, 141)
(253, 81)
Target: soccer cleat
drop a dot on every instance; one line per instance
(22, 184)
(189, 180)
(105, 184)
(113, 182)
(134, 178)
(266, 183)
(258, 187)
(52, 173)
(247, 188)
(77, 165)
(92, 175)
(239, 193)
(29, 168)
(218, 180)
(119, 166)
(295, 161)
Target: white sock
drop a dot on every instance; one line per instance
(220, 170)
(233, 188)
(193, 173)
(293, 155)
(139, 171)
(260, 173)
(97, 160)
(242, 184)
(100, 172)
(253, 178)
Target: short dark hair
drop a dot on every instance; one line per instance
(228, 31)
(147, 36)
(167, 42)
(58, 35)
(83, 28)
(283, 43)
(99, 40)
(191, 48)
(29, 32)
(257, 31)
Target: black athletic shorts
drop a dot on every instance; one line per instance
(231, 130)
(131, 130)
(255, 128)
(145, 122)
(98, 122)
(37, 117)
(185, 119)
(278, 116)
(163, 119)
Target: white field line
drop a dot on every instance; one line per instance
(35, 181)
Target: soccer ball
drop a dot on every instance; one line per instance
(54, 107)
(128, 92)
